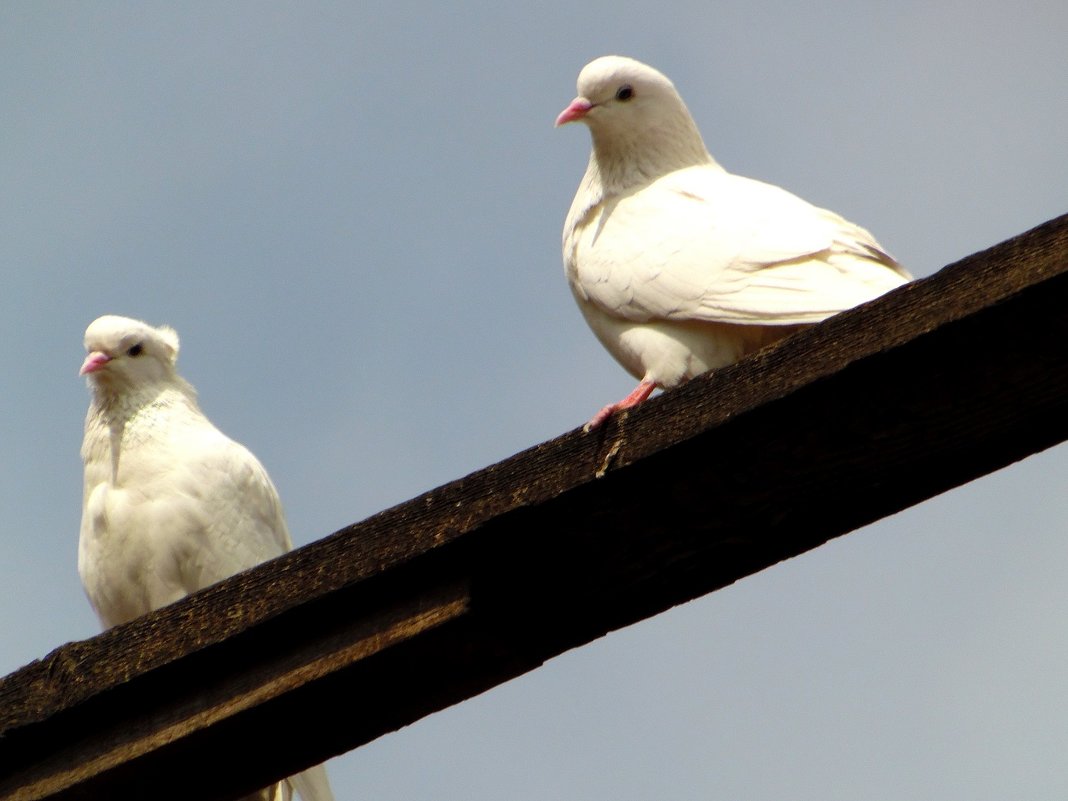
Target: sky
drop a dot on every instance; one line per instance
(351, 213)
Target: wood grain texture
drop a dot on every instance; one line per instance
(473, 583)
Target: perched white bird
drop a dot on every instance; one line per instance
(680, 267)
(171, 504)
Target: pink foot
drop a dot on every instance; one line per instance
(640, 393)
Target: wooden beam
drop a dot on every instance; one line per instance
(478, 581)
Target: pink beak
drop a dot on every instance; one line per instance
(93, 362)
(576, 110)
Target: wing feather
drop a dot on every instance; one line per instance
(703, 244)
(223, 509)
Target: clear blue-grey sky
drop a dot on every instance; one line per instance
(351, 213)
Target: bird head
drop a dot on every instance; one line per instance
(125, 354)
(637, 119)
(616, 91)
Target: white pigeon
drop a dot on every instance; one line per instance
(680, 267)
(171, 504)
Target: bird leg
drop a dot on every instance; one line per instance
(640, 393)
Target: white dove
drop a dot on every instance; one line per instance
(680, 267)
(171, 504)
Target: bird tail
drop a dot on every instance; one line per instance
(276, 792)
(311, 785)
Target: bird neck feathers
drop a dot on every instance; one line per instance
(119, 407)
(625, 159)
(117, 421)
(619, 164)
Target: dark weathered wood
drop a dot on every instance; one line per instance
(480, 580)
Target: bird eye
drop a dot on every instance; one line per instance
(625, 92)
(135, 350)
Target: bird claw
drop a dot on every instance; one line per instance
(599, 418)
(640, 393)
